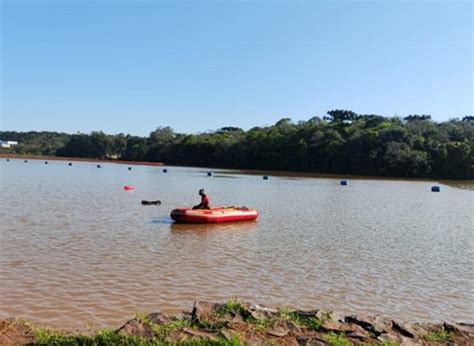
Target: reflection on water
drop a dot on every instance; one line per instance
(222, 227)
(75, 249)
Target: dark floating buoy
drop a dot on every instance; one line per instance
(209, 174)
(151, 202)
(26, 161)
(46, 162)
(8, 159)
(344, 182)
(435, 189)
(265, 177)
(129, 168)
(98, 166)
(165, 170)
(70, 164)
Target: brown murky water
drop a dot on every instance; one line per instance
(76, 250)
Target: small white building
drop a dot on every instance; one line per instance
(7, 144)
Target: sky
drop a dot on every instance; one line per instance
(131, 66)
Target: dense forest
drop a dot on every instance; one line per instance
(341, 142)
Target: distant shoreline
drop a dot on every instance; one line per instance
(77, 159)
(466, 184)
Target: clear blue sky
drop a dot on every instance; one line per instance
(130, 66)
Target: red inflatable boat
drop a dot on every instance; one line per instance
(214, 215)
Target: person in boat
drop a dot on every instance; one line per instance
(204, 201)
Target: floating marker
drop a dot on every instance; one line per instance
(209, 174)
(265, 177)
(129, 168)
(165, 170)
(26, 161)
(435, 189)
(98, 166)
(129, 188)
(8, 159)
(70, 164)
(344, 182)
(46, 162)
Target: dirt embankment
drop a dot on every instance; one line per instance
(235, 323)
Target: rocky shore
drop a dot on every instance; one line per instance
(235, 323)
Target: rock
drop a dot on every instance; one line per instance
(282, 328)
(357, 334)
(201, 334)
(229, 334)
(309, 341)
(404, 341)
(278, 329)
(347, 328)
(373, 324)
(14, 332)
(464, 328)
(203, 310)
(176, 336)
(389, 337)
(136, 328)
(260, 312)
(410, 330)
(159, 318)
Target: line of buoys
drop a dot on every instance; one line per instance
(209, 174)
(435, 189)
(344, 182)
(265, 177)
(165, 170)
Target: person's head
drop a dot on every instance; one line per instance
(201, 192)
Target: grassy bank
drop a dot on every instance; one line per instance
(235, 323)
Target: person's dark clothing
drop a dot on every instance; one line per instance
(204, 203)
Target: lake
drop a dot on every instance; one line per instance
(77, 250)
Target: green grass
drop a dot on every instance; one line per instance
(388, 343)
(102, 338)
(110, 338)
(310, 322)
(142, 317)
(204, 324)
(441, 335)
(335, 339)
(302, 320)
(163, 330)
(381, 343)
(106, 337)
(234, 306)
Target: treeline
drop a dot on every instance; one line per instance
(341, 142)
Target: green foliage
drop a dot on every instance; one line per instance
(303, 319)
(335, 339)
(102, 338)
(343, 142)
(441, 335)
(233, 306)
(107, 337)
